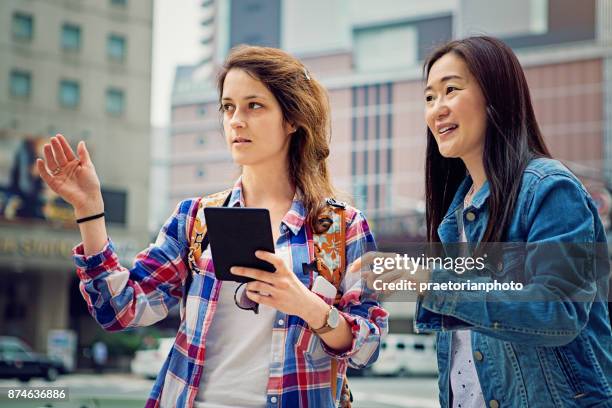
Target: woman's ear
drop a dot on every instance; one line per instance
(290, 128)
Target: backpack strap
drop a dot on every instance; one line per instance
(198, 239)
(329, 239)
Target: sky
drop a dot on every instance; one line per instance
(176, 36)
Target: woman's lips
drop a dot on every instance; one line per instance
(241, 143)
(448, 133)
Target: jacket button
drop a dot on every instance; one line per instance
(500, 266)
(470, 216)
(478, 356)
(493, 404)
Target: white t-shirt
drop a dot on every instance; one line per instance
(238, 353)
(464, 382)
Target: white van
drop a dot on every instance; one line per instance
(406, 354)
(148, 363)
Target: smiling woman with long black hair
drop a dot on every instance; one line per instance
(493, 188)
(491, 179)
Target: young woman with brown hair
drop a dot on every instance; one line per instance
(277, 126)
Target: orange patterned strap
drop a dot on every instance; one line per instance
(197, 236)
(198, 229)
(329, 239)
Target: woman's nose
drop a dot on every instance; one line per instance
(237, 121)
(440, 109)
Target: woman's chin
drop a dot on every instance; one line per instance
(242, 160)
(448, 153)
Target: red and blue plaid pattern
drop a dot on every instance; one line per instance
(120, 298)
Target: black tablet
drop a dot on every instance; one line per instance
(234, 234)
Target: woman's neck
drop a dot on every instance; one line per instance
(475, 166)
(262, 186)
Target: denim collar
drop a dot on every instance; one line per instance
(477, 201)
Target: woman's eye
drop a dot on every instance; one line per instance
(450, 89)
(226, 107)
(255, 105)
(429, 98)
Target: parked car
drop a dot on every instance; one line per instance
(148, 363)
(406, 354)
(17, 360)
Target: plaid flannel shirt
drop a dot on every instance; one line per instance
(120, 298)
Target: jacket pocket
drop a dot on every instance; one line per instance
(510, 266)
(568, 372)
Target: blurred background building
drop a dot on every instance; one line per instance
(370, 59)
(81, 68)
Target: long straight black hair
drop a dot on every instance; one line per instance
(512, 138)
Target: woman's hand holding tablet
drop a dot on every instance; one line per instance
(242, 249)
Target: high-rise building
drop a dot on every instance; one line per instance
(81, 68)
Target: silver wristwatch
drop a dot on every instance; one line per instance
(332, 321)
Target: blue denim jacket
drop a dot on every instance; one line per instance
(528, 353)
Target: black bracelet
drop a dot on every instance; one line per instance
(92, 217)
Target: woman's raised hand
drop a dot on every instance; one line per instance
(72, 178)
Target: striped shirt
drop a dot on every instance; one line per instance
(120, 298)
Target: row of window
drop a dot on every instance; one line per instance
(69, 92)
(71, 34)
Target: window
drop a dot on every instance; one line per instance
(115, 206)
(201, 141)
(255, 22)
(253, 7)
(15, 351)
(115, 101)
(115, 47)
(119, 2)
(69, 94)
(200, 172)
(21, 83)
(71, 37)
(376, 48)
(201, 110)
(23, 26)
(508, 19)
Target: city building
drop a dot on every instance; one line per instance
(81, 68)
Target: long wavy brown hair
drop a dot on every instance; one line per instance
(305, 104)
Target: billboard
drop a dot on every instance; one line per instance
(25, 198)
(23, 194)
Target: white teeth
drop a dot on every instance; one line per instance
(446, 129)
